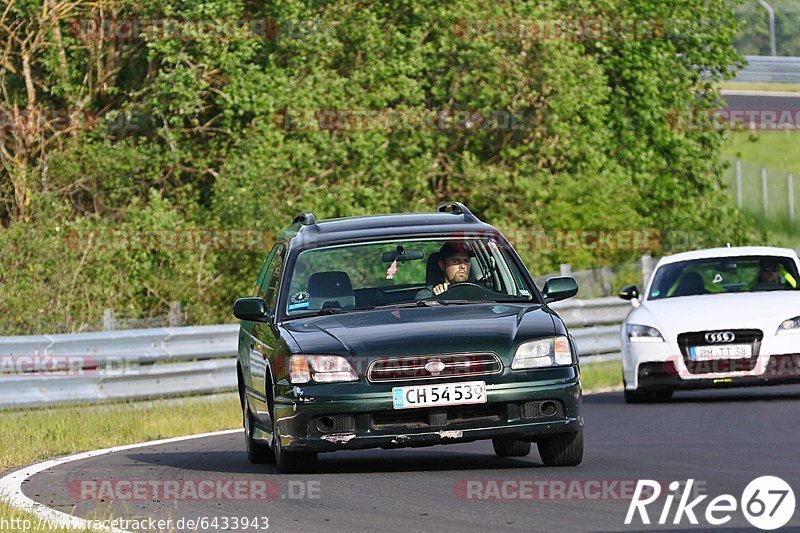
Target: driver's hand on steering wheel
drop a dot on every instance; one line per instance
(440, 288)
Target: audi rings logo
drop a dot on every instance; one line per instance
(718, 337)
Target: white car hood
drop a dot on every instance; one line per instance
(761, 310)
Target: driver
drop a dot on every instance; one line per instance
(454, 261)
(769, 276)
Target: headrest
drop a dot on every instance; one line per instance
(433, 274)
(332, 288)
(691, 285)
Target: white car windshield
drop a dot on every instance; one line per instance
(721, 275)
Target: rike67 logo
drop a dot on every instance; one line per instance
(767, 503)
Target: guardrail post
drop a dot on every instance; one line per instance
(566, 269)
(771, 14)
(739, 199)
(764, 193)
(606, 278)
(791, 197)
(175, 316)
(647, 268)
(109, 320)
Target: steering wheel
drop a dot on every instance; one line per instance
(465, 284)
(465, 290)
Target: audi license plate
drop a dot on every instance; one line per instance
(729, 351)
(440, 394)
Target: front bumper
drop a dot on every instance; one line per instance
(663, 366)
(361, 415)
(780, 370)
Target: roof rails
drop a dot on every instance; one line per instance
(457, 207)
(305, 218)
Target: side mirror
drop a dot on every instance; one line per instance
(631, 292)
(561, 288)
(252, 309)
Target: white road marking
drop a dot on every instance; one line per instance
(11, 484)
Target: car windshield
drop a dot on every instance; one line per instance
(724, 275)
(339, 278)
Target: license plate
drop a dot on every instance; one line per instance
(439, 394)
(729, 351)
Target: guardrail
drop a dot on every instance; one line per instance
(770, 69)
(148, 363)
(115, 365)
(595, 325)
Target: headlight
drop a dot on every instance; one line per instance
(790, 326)
(320, 368)
(542, 353)
(637, 333)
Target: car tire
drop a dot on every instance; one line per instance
(291, 462)
(511, 447)
(562, 449)
(257, 453)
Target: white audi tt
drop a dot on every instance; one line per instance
(712, 318)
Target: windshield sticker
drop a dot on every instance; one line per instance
(298, 297)
(298, 300)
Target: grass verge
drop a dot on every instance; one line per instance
(601, 377)
(775, 150)
(756, 86)
(37, 434)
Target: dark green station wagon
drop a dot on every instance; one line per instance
(404, 330)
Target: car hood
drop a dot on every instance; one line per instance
(762, 310)
(378, 333)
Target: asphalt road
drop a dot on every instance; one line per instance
(721, 439)
(738, 102)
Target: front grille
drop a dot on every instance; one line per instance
(401, 419)
(439, 417)
(698, 338)
(440, 366)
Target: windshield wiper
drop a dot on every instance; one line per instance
(420, 303)
(329, 311)
(460, 302)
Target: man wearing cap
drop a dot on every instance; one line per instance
(454, 262)
(769, 275)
